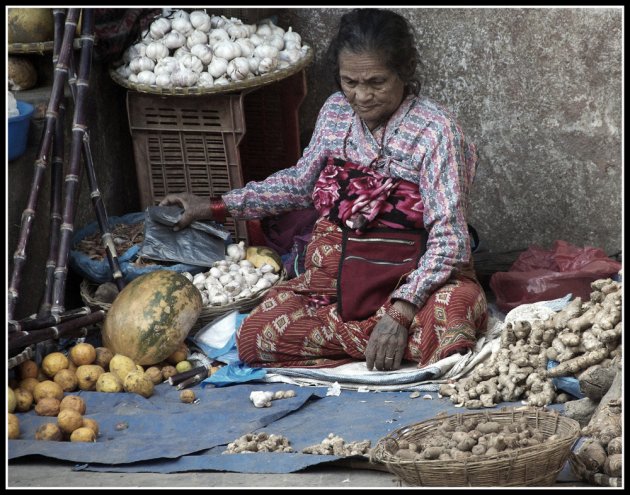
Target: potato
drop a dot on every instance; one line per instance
(109, 382)
(187, 396)
(24, 400)
(168, 371)
(28, 369)
(54, 362)
(67, 380)
(28, 384)
(72, 367)
(180, 354)
(49, 431)
(121, 365)
(47, 406)
(47, 388)
(88, 374)
(11, 399)
(183, 366)
(73, 402)
(92, 424)
(13, 427)
(154, 374)
(69, 420)
(83, 353)
(103, 357)
(137, 383)
(83, 434)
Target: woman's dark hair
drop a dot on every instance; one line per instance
(378, 31)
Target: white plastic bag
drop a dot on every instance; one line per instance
(12, 109)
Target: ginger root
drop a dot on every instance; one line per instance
(258, 442)
(581, 335)
(601, 453)
(335, 445)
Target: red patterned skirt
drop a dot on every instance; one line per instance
(297, 324)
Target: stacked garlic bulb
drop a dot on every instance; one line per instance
(233, 279)
(206, 50)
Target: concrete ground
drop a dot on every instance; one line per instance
(49, 473)
(43, 472)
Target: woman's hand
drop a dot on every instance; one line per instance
(388, 341)
(195, 208)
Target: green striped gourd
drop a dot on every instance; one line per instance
(152, 316)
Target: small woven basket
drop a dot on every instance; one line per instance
(87, 290)
(537, 465)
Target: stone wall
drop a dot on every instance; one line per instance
(539, 91)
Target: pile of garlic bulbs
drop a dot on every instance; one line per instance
(233, 279)
(197, 49)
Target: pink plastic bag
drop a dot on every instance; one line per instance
(541, 275)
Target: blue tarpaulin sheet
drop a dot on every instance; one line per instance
(133, 428)
(163, 435)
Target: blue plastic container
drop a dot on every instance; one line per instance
(18, 129)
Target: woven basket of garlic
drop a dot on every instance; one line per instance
(238, 282)
(197, 53)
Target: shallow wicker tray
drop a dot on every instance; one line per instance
(537, 465)
(210, 313)
(253, 83)
(207, 315)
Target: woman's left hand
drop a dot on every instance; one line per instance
(388, 341)
(386, 346)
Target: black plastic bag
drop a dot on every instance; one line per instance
(200, 244)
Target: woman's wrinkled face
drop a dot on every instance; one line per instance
(373, 90)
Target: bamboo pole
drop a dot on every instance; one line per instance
(101, 215)
(35, 323)
(56, 178)
(73, 177)
(95, 194)
(55, 212)
(18, 359)
(68, 328)
(28, 215)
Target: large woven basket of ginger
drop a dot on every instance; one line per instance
(509, 447)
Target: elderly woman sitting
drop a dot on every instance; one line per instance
(389, 273)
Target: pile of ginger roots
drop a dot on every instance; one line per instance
(584, 341)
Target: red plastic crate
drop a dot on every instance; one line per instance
(272, 140)
(211, 144)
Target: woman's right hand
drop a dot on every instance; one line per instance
(195, 208)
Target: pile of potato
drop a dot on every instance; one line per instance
(71, 424)
(85, 367)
